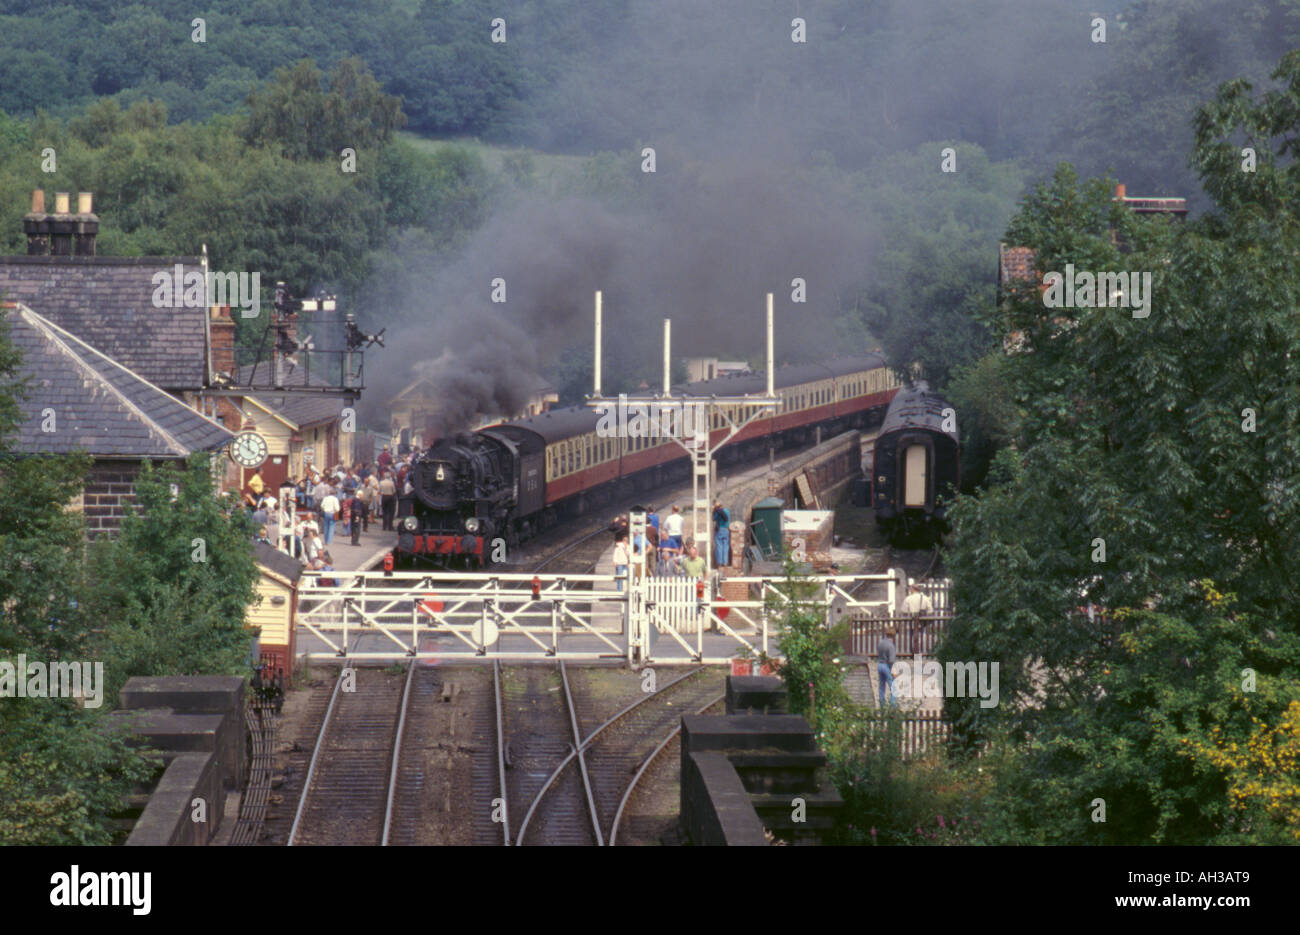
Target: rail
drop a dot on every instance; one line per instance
(355, 774)
(397, 755)
(315, 757)
(580, 747)
(645, 766)
(501, 753)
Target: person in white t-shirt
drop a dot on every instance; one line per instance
(673, 528)
(919, 607)
(917, 604)
(329, 508)
(621, 560)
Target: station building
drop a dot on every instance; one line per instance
(80, 399)
(415, 411)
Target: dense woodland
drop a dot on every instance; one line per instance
(1124, 430)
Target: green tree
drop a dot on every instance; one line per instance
(1131, 435)
(64, 768)
(176, 583)
(310, 118)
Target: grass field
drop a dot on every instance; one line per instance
(550, 171)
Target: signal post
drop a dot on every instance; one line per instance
(737, 412)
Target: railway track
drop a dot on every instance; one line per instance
(546, 769)
(576, 791)
(348, 790)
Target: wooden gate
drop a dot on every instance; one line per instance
(672, 603)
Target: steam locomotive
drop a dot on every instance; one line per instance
(507, 482)
(916, 466)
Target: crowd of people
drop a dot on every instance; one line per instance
(668, 551)
(340, 501)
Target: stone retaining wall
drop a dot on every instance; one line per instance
(198, 724)
(746, 773)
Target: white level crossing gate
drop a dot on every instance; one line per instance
(468, 617)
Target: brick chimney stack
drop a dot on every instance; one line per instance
(61, 233)
(222, 328)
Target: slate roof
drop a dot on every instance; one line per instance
(107, 301)
(283, 564)
(99, 405)
(300, 410)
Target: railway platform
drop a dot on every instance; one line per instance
(349, 557)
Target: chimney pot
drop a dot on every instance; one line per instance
(1120, 192)
(38, 201)
(84, 202)
(61, 203)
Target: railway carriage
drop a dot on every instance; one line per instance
(514, 479)
(916, 466)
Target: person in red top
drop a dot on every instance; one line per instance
(385, 459)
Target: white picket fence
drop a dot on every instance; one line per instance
(672, 602)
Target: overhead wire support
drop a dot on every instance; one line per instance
(734, 412)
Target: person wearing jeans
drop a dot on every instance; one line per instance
(329, 507)
(885, 652)
(621, 559)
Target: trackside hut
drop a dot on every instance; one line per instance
(274, 614)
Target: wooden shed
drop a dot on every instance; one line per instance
(275, 613)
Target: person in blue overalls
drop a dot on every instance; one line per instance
(721, 535)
